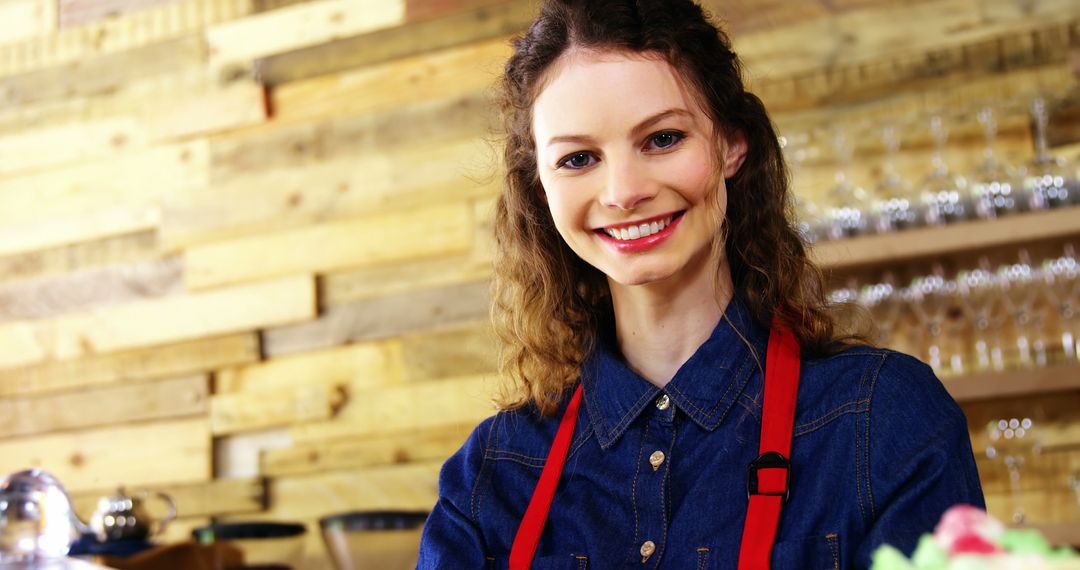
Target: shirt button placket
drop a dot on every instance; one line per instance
(652, 481)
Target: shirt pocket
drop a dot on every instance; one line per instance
(556, 562)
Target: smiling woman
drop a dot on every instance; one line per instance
(681, 395)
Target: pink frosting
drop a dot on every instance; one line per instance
(965, 529)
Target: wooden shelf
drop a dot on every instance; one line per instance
(991, 385)
(876, 249)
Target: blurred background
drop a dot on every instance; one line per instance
(245, 244)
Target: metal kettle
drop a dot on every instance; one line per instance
(37, 520)
(124, 517)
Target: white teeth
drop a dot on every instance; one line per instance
(637, 232)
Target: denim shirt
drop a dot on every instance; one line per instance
(880, 451)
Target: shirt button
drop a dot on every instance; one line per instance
(647, 548)
(656, 459)
(663, 402)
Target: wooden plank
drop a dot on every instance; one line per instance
(236, 106)
(345, 287)
(382, 318)
(294, 27)
(79, 257)
(447, 74)
(206, 499)
(146, 454)
(52, 146)
(85, 290)
(388, 410)
(119, 220)
(368, 364)
(352, 453)
(927, 242)
(1008, 384)
(261, 409)
(359, 242)
(433, 26)
(26, 19)
(459, 351)
(128, 31)
(234, 309)
(81, 12)
(140, 365)
(348, 186)
(103, 75)
(166, 399)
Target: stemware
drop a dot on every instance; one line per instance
(896, 208)
(1047, 180)
(933, 301)
(1013, 441)
(945, 196)
(1061, 278)
(979, 297)
(848, 203)
(993, 183)
(1021, 295)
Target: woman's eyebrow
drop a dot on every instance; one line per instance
(638, 128)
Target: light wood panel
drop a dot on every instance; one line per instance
(238, 105)
(83, 256)
(344, 287)
(325, 247)
(212, 498)
(148, 323)
(81, 12)
(382, 318)
(355, 454)
(51, 146)
(150, 401)
(298, 26)
(423, 405)
(150, 454)
(26, 18)
(370, 364)
(266, 408)
(128, 367)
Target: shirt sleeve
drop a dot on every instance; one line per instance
(451, 536)
(919, 454)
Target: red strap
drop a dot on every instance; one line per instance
(777, 422)
(532, 525)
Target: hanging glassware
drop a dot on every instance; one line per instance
(897, 207)
(946, 198)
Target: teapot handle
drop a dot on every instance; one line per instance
(169, 517)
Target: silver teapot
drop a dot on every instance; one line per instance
(36, 518)
(123, 517)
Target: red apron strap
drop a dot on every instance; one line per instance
(532, 525)
(769, 476)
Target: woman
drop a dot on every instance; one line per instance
(649, 283)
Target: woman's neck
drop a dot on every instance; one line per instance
(659, 326)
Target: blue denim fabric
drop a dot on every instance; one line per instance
(879, 452)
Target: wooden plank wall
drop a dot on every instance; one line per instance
(245, 244)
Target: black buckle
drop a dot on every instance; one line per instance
(768, 460)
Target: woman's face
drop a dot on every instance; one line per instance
(627, 161)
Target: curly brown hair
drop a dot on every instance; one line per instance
(547, 303)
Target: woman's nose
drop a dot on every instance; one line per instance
(628, 186)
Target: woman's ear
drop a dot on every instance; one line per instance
(734, 153)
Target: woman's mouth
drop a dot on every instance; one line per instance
(641, 235)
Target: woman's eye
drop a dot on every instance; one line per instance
(577, 160)
(666, 139)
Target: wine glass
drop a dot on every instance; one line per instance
(846, 215)
(1014, 442)
(1019, 283)
(979, 296)
(809, 221)
(1047, 181)
(934, 305)
(945, 197)
(1061, 277)
(896, 208)
(993, 183)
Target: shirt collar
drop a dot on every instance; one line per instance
(704, 388)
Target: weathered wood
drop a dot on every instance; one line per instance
(119, 220)
(261, 409)
(344, 287)
(146, 454)
(237, 455)
(166, 399)
(128, 31)
(382, 318)
(359, 242)
(209, 499)
(294, 27)
(435, 27)
(52, 146)
(78, 257)
(422, 405)
(25, 19)
(348, 186)
(356, 453)
(369, 364)
(459, 351)
(238, 105)
(447, 74)
(81, 12)
(149, 323)
(52, 296)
